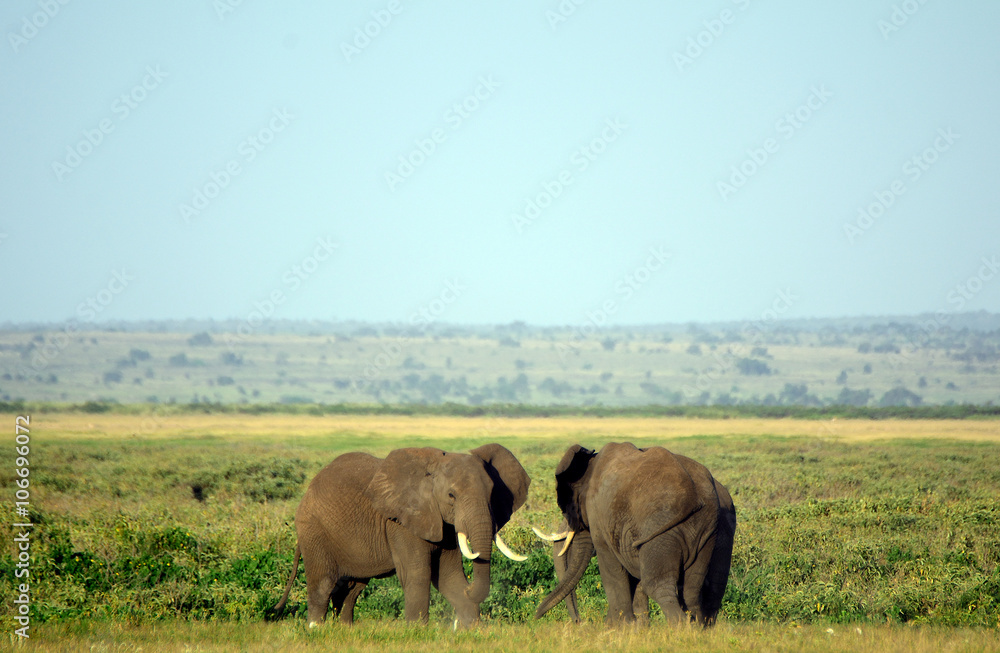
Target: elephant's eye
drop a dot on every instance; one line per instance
(451, 495)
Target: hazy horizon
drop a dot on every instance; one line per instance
(556, 164)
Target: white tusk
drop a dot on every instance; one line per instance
(569, 538)
(504, 549)
(555, 537)
(463, 543)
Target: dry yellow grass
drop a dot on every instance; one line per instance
(269, 426)
(564, 637)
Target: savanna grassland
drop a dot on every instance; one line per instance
(827, 363)
(174, 530)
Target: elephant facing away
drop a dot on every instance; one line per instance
(415, 513)
(660, 525)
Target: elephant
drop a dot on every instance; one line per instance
(660, 525)
(415, 513)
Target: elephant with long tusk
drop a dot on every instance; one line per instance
(416, 513)
(660, 524)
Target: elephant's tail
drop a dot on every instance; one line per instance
(278, 609)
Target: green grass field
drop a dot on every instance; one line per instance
(881, 532)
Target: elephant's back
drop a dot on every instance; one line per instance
(347, 476)
(337, 521)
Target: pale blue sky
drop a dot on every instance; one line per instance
(615, 122)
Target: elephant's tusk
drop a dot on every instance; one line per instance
(504, 549)
(569, 538)
(463, 543)
(555, 537)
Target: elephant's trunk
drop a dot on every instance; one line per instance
(479, 589)
(578, 557)
(480, 536)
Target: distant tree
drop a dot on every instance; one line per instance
(752, 367)
(507, 341)
(848, 397)
(842, 377)
(761, 352)
(606, 376)
(798, 395)
(202, 339)
(922, 383)
(609, 344)
(694, 349)
(950, 386)
(900, 397)
(864, 348)
(229, 358)
(886, 348)
(651, 389)
(112, 377)
(138, 354)
(867, 368)
(225, 380)
(178, 360)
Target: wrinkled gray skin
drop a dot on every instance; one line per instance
(364, 517)
(660, 525)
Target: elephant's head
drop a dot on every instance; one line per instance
(572, 544)
(432, 492)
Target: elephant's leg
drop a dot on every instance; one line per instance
(660, 570)
(354, 589)
(640, 602)
(319, 591)
(618, 588)
(449, 578)
(414, 571)
(694, 580)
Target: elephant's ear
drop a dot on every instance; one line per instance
(510, 481)
(569, 486)
(400, 490)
